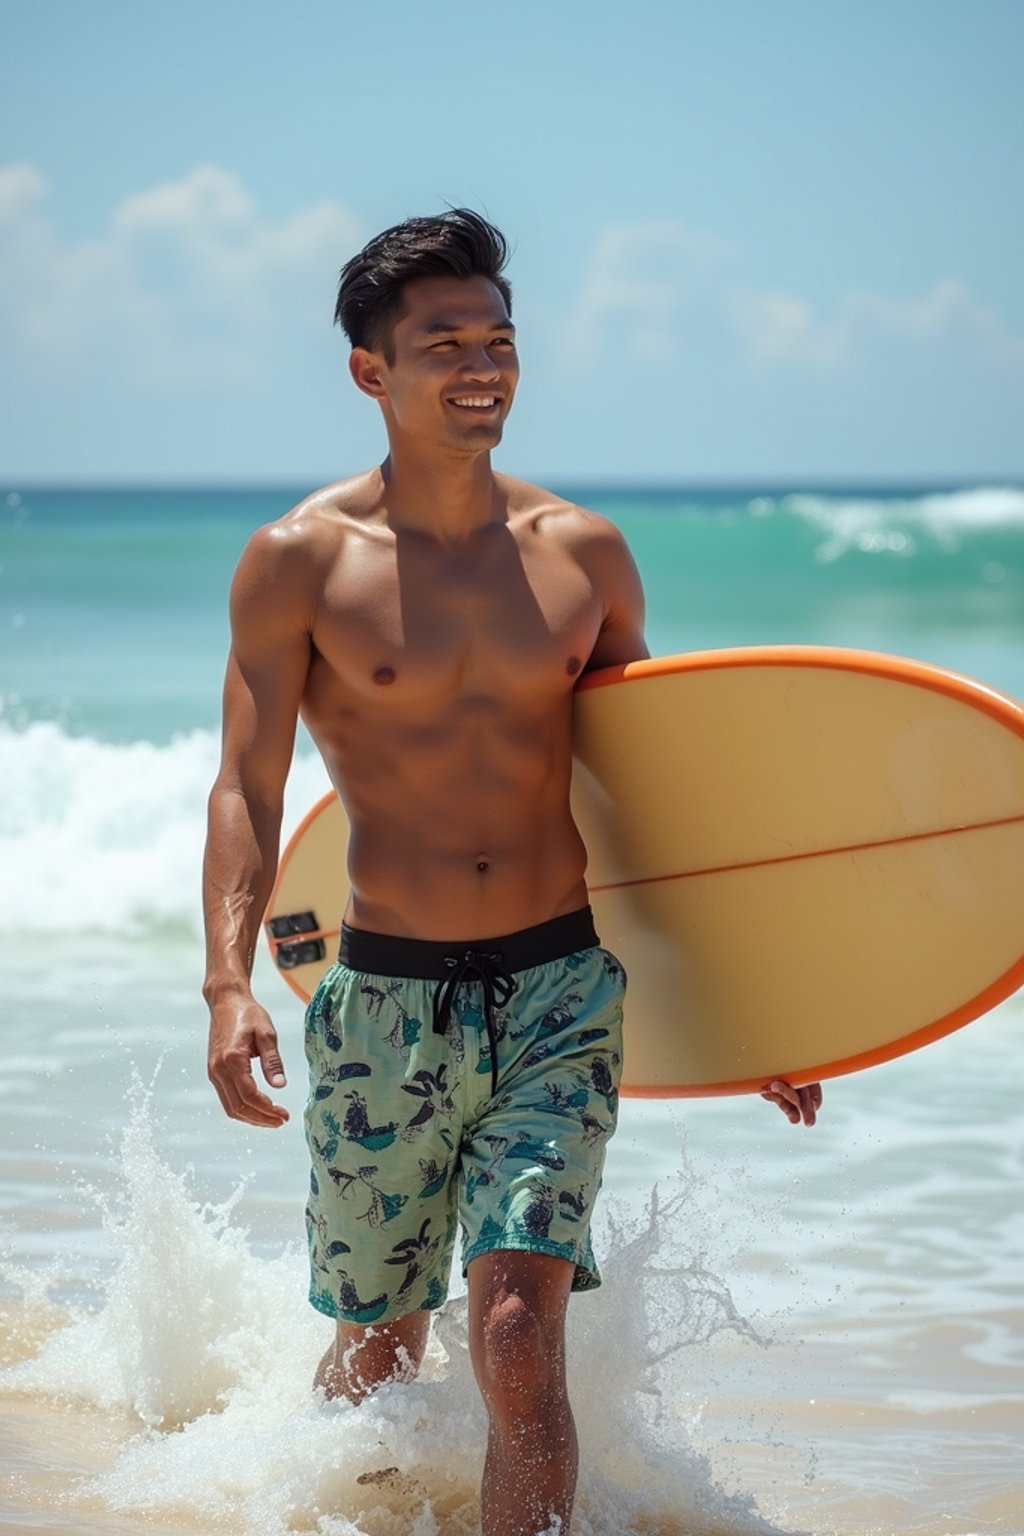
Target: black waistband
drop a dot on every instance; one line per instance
(382, 954)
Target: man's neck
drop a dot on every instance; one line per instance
(450, 498)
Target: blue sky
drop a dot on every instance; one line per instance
(753, 241)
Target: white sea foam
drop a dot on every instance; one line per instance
(207, 1351)
(900, 527)
(101, 837)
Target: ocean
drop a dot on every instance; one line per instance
(800, 1331)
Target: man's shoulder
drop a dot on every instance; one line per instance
(331, 509)
(558, 516)
(313, 527)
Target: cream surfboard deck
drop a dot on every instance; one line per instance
(809, 861)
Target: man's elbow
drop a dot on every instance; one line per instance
(232, 794)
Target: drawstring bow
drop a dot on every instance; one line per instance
(498, 984)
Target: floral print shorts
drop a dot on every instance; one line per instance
(480, 1104)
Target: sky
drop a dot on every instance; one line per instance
(753, 240)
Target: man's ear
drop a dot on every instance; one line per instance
(364, 367)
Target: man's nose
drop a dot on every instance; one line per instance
(481, 365)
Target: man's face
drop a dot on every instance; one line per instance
(454, 368)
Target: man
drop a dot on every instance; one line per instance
(429, 620)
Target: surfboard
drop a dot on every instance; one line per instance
(809, 861)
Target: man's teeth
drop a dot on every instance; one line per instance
(477, 401)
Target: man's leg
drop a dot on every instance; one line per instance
(362, 1359)
(517, 1305)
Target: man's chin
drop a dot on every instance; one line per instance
(477, 439)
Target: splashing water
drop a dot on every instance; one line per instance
(198, 1360)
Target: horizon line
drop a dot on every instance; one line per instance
(14, 484)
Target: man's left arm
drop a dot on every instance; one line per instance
(621, 639)
(616, 579)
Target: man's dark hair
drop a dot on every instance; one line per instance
(455, 244)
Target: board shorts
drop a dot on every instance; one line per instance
(468, 1087)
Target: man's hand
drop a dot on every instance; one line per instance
(239, 1030)
(797, 1103)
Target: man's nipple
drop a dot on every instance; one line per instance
(573, 665)
(384, 676)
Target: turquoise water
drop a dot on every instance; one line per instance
(810, 1332)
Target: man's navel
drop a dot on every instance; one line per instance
(483, 864)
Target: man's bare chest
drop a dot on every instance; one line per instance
(498, 620)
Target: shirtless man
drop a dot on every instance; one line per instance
(429, 620)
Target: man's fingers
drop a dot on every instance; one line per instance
(777, 1093)
(775, 1098)
(273, 1066)
(256, 1103)
(796, 1103)
(224, 1101)
(241, 1098)
(808, 1107)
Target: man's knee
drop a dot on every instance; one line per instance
(517, 1345)
(515, 1365)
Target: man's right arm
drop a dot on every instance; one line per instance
(273, 600)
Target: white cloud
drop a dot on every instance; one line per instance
(641, 278)
(666, 293)
(778, 328)
(187, 276)
(22, 189)
(947, 308)
(207, 202)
